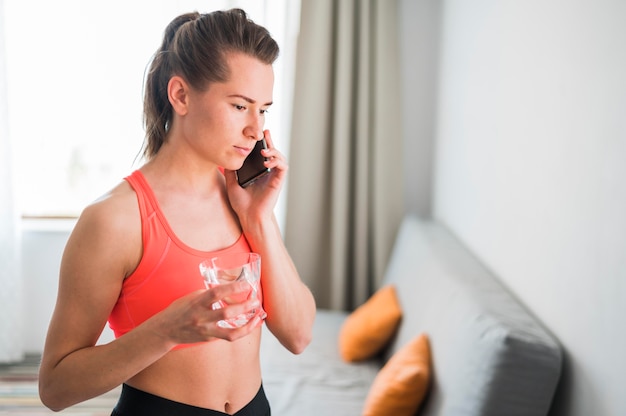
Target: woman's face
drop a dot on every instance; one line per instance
(224, 122)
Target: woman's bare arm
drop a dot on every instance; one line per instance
(99, 254)
(287, 300)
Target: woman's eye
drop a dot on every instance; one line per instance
(240, 107)
(263, 112)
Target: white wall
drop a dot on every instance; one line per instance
(530, 170)
(43, 243)
(420, 19)
(41, 254)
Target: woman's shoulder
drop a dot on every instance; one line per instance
(108, 231)
(115, 210)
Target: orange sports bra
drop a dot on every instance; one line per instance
(168, 268)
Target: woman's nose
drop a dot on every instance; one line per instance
(254, 128)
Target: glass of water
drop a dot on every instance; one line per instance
(234, 267)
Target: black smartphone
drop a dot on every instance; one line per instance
(253, 168)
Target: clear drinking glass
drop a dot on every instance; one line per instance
(230, 268)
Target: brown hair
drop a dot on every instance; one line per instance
(195, 47)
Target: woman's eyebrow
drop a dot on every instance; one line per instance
(248, 99)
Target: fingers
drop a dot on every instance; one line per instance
(268, 138)
(229, 294)
(276, 160)
(234, 300)
(232, 334)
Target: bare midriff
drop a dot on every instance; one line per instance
(218, 375)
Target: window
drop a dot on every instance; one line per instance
(75, 77)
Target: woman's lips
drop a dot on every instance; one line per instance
(243, 151)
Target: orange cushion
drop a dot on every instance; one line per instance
(370, 327)
(401, 384)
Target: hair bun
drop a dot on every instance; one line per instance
(172, 28)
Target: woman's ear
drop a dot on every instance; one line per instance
(178, 95)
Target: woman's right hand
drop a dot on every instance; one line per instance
(192, 319)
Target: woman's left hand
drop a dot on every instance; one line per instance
(256, 202)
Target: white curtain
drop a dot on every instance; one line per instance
(10, 282)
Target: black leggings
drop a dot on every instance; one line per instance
(135, 402)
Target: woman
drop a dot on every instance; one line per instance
(133, 256)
